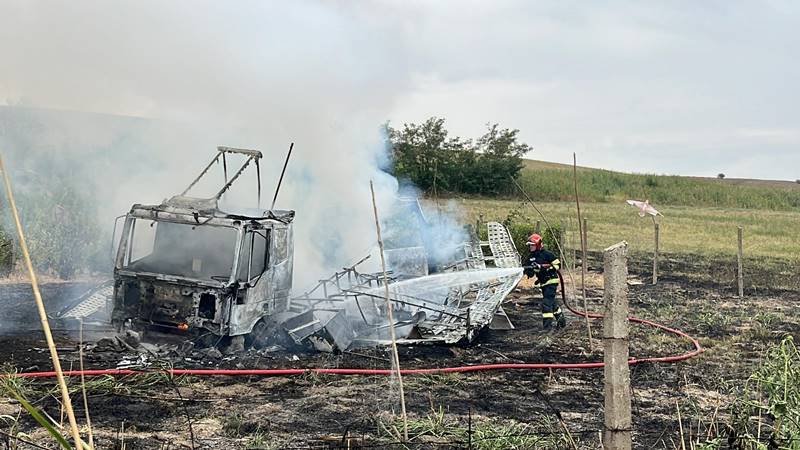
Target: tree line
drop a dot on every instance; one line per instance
(435, 162)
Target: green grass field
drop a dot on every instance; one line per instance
(701, 215)
(701, 230)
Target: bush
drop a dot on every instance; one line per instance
(721, 176)
(521, 232)
(553, 238)
(6, 253)
(61, 230)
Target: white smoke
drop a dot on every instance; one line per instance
(202, 74)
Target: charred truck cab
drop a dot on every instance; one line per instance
(188, 266)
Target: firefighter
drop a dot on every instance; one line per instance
(544, 265)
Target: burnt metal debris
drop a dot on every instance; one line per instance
(190, 266)
(451, 305)
(94, 306)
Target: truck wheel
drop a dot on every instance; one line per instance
(263, 334)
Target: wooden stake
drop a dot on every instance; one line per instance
(581, 231)
(538, 228)
(42, 313)
(395, 355)
(739, 262)
(586, 237)
(655, 252)
(617, 413)
(574, 257)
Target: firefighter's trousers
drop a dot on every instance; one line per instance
(551, 312)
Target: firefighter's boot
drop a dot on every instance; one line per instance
(561, 321)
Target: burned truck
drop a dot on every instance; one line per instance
(189, 266)
(201, 270)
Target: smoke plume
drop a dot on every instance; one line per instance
(128, 101)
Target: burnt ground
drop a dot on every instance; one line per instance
(504, 409)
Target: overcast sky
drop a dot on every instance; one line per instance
(692, 88)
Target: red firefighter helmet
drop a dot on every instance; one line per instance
(535, 241)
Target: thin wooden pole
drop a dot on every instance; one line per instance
(395, 355)
(572, 242)
(739, 262)
(42, 313)
(83, 387)
(581, 231)
(574, 257)
(655, 251)
(586, 237)
(617, 379)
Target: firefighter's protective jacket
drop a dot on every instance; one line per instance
(544, 275)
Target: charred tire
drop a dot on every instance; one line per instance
(264, 333)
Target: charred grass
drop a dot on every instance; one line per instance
(504, 409)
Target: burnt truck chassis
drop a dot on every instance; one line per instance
(175, 292)
(228, 307)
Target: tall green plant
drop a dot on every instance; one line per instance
(768, 410)
(10, 386)
(61, 229)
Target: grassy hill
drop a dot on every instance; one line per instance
(547, 181)
(532, 164)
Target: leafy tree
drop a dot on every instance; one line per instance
(427, 156)
(500, 158)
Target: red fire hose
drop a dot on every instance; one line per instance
(428, 371)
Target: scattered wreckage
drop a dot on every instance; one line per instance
(191, 267)
(448, 301)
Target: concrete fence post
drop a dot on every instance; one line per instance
(617, 420)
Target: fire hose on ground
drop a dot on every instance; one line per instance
(420, 371)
